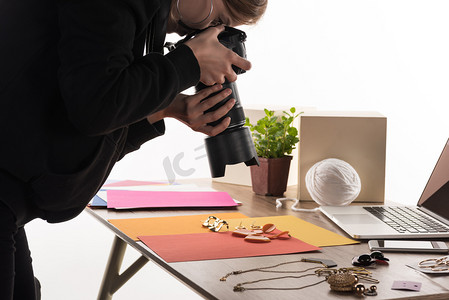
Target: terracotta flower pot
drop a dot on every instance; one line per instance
(270, 178)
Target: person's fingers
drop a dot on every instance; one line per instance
(215, 115)
(241, 62)
(214, 78)
(211, 32)
(208, 81)
(231, 76)
(212, 101)
(206, 92)
(216, 30)
(214, 130)
(221, 79)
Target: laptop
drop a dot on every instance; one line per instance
(428, 219)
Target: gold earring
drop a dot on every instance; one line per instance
(207, 223)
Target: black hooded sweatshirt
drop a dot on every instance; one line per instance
(76, 86)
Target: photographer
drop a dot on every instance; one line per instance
(83, 83)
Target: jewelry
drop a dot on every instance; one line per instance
(259, 234)
(218, 224)
(214, 223)
(435, 264)
(361, 273)
(255, 227)
(347, 280)
(241, 230)
(252, 238)
(372, 291)
(209, 221)
(195, 23)
(239, 286)
(240, 226)
(268, 268)
(342, 280)
(267, 228)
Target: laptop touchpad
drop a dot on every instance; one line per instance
(356, 219)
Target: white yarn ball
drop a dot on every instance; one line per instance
(333, 182)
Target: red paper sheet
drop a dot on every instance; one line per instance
(220, 245)
(145, 199)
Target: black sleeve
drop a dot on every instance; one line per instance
(139, 133)
(104, 87)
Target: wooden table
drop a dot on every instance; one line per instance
(203, 276)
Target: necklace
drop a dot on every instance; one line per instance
(268, 268)
(239, 286)
(343, 279)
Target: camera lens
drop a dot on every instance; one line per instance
(234, 145)
(236, 113)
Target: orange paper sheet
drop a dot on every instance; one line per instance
(168, 225)
(221, 245)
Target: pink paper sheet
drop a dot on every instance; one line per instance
(133, 183)
(219, 245)
(153, 199)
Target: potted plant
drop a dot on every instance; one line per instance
(275, 138)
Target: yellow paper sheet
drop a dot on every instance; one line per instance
(300, 229)
(169, 225)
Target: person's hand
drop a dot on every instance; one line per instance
(215, 60)
(190, 110)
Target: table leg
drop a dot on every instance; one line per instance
(112, 280)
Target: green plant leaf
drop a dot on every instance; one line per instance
(275, 136)
(292, 131)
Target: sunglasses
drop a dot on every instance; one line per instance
(369, 259)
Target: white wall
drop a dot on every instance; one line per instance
(389, 56)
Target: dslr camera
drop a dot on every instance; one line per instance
(235, 144)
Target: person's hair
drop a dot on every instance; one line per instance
(246, 11)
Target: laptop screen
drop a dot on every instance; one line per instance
(435, 196)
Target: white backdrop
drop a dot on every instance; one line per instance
(388, 56)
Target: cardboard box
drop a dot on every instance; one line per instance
(240, 174)
(359, 138)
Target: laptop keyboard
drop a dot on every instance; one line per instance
(406, 219)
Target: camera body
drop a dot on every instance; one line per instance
(233, 39)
